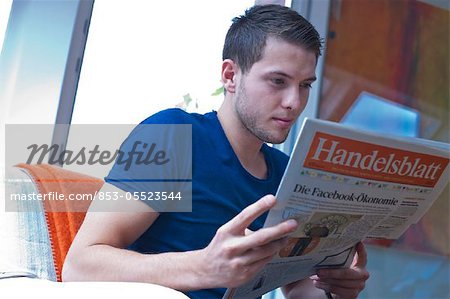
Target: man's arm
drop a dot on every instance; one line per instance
(97, 252)
(344, 283)
(231, 258)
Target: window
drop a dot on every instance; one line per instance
(394, 55)
(144, 56)
(33, 59)
(5, 8)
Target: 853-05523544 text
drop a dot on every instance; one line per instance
(100, 195)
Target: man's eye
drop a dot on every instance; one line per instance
(277, 81)
(306, 85)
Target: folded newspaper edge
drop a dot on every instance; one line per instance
(343, 185)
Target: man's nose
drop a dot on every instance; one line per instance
(294, 100)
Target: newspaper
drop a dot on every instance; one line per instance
(343, 185)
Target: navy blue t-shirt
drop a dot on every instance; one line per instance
(221, 188)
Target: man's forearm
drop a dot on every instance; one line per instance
(178, 271)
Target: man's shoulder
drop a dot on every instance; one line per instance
(172, 116)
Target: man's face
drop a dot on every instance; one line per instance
(273, 93)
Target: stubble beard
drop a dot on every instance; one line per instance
(250, 120)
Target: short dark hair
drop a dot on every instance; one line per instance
(246, 37)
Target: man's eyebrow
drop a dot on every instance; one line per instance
(279, 73)
(313, 78)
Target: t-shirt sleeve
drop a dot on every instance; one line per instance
(154, 163)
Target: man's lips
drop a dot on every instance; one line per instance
(283, 122)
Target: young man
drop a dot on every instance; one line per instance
(269, 61)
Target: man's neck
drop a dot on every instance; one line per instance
(246, 146)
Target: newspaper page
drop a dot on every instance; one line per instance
(343, 185)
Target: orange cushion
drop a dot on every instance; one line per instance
(63, 217)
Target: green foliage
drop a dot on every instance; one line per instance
(218, 91)
(187, 99)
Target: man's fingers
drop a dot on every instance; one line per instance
(345, 274)
(269, 234)
(263, 252)
(361, 260)
(259, 264)
(239, 223)
(241, 245)
(344, 283)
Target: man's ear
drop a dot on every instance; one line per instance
(229, 72)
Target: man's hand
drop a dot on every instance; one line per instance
(345, 283)
(234, 256)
